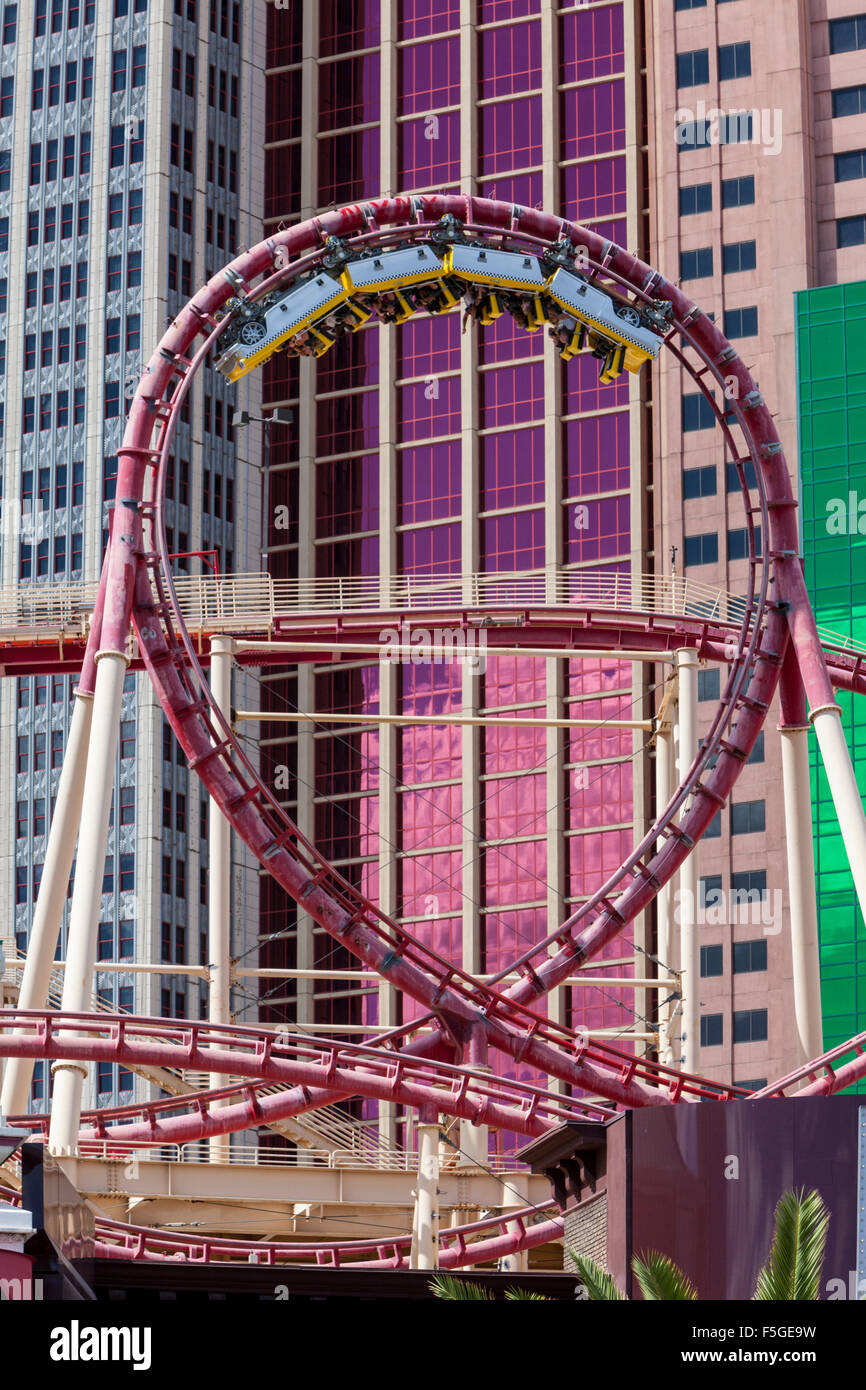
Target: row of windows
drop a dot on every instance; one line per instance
(749, 1025)
(173, 943)
(127, 145)
(61, 280)
(221, 222)
(113, 334)
(128, 64)
(702, 482)
(36, 562)
(222, 90)
(704, 549)
(54, 412)
(70, 224)
(698, 197)
(45, 170)
(748, 886)
(173, 883)
(181, 148)
(746, 958)
(733, 128)
(125, 878)
(49, 93)
(736, 256)
(47, 346)
(225, 19)
(693, 4)
(747, 818)
(734, 59)
(216, 166)
(62, 493)
(218, 495)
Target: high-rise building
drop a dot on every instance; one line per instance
(756, 190)
(127, 177)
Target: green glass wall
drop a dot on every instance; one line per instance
(831, 369)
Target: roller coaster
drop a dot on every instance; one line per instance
(298, 291)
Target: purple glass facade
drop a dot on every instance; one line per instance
(520, 416)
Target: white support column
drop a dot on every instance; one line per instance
(219, 869)
(515, 1193)
(845, 792)
(686, 911)
(87, 894)
(799, 846)
(667, 944)
(425, 1225)
(48, 914)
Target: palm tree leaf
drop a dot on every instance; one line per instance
(458, 1290)
(599, 1285)
(661, 1280)
(513, 1295)
(793, 1269)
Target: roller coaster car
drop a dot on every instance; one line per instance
(615, 332)
(261, 329)
(503, 270)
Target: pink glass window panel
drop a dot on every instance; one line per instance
(600, 795)
(506, 936)
(345, 559)
(423, 412)
(348, 690)
(510, 135)
(514, 542)
(515, 805)
(349, 167)
(491, 10)
(593, 119)
(429, 151)
(418, 18)
(504, 339)
(429, 481)
(602, 675)
(283, 106)
(429, 876)
(582, 390)
(284, 35)
(346, 423)
(283, 181)
(428, 345)
(347, 495)
(512, 395)
(346, 763)
(432, 550)
(345, 25)
(599, 534)
(281, 384)
(593, 858)
(512, 680)
(337, 829)
(510, 59)
(515, 873)
(445, 938)
(283, 493)
(592, 44)
(352, 361)
(596, 454)
(595, 189)
(349, 92)
(430, 819)
(512, 468)
(586, 745)
(429, 76)
(522, 189)
(429, 689)
(615, 230)
(283, 564)
(513, 748)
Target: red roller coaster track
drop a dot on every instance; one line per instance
(468, 1016)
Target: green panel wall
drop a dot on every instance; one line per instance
(831, 368)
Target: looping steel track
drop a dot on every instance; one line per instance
(470, 1016)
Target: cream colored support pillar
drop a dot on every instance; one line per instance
(799, 847)
(686, 909)
(515, 1193)
(425, 1226)
(87, 894)
(219, 874)
(845, 792)
(45, 930)
(667, 944)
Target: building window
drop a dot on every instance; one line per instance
(10, 23)
(850, 165)
(750, 1025)
(846, 35)
(757, 753)
(709, 683)
(126, 939)
(701, 550)
(749, 887)
(712, 1030)
(712, 961)
(749, 956)
(7, 90)
(696, 197)
(760, 1083)
(710, 891)
(699, 482)
(696, 265)
(732, 477)
(850, 101)
(698, 413)
(742, 323)
(714, 829)
(738, 543)
(689, 4)
(735, 60)
(693, 69)
(748, 817)
(738, 256)
(738, 193)
(851, 231)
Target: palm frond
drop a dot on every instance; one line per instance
(513, 1295)
(792, 1273)
(661, 1280)
(600, 1286)
(458, 1290)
